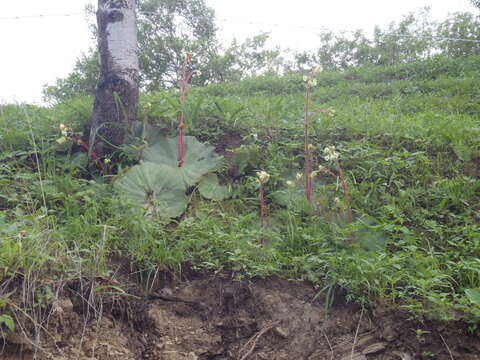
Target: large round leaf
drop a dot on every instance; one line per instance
(211, 189)
(156, 187)
(200, 159)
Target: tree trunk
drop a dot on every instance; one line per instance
(116, 95)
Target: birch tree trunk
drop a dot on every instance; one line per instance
(116, 95)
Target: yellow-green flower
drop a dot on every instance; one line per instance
(330, 154)
(64, 129)
(312, 83)
(61, 140)
(318, 69)
(263, 176)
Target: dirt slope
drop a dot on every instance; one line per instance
(216, 317)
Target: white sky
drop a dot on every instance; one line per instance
(36, 51)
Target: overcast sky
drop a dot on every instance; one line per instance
(37, 50)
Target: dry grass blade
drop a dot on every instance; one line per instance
(448, 348)
(329, 344)
(252, 342)
(356, 334)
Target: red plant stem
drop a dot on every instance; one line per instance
(308, 157)
(93, 155)
(263, 206)
(181, 116)
(181, 146)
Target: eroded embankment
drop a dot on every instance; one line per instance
(216, 317)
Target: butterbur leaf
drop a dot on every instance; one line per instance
(200, 159)
(156, 187)
(211, 189)
(160, 185)
(473, 295)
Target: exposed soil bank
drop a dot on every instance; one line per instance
(215, 317)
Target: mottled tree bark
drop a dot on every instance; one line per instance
(116, 95)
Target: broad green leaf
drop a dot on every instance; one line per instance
(80, 160)
(371, 239)
(473, 295)
(8, 321)
(156, 187)
(145, 131)
(293, 197)
(200, 159)
(211, 189)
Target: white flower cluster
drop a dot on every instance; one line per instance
(311, 82)
(317, 69)
(263, 177)
(330, 154)
(65, 130)
(65, 133)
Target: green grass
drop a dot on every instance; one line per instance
(409, 142)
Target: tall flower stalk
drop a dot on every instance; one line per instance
(306, 148)
(184, 80)
(262, 178)
(310, 82)
(331, 155)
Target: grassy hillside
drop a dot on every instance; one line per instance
(409, 143)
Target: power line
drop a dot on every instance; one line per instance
(325, 29)
(275, 25)
(21, 17)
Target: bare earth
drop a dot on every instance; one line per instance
(209, 316)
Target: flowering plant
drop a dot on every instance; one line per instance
(330, 154)
(69, 134)
(310, 82)
(262, 178)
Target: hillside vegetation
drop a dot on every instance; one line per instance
(408, 138)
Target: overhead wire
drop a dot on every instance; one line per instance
(21, 17)
(264, 24)
(325, 29)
